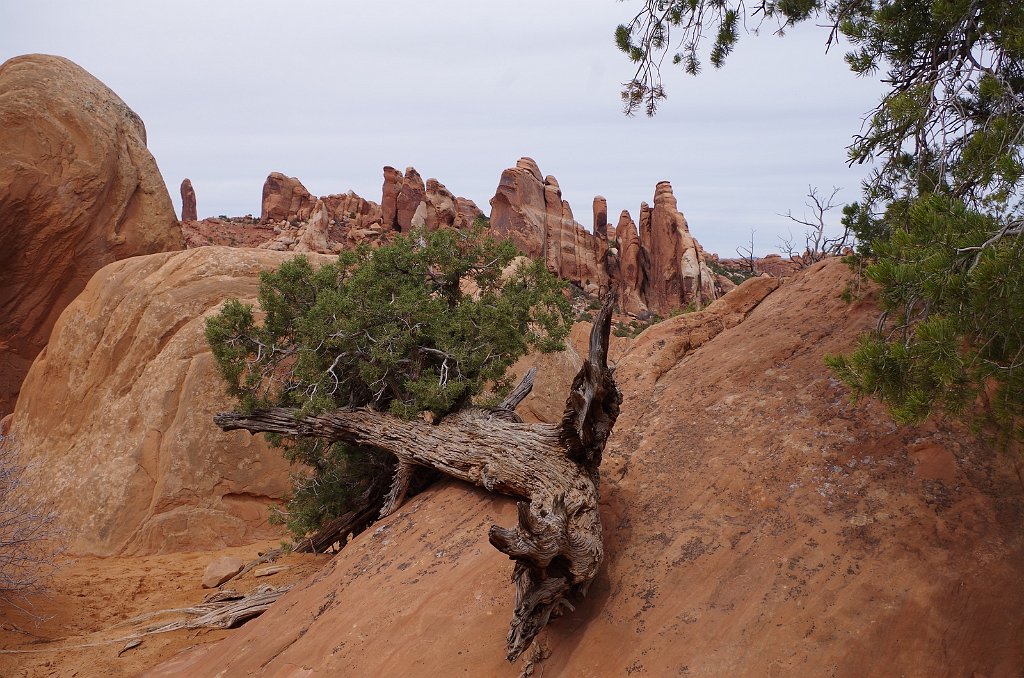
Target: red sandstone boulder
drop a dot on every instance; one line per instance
(117, 412)
(78, 190)
(285, 199)
(221, 570)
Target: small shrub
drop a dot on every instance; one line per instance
(30, 540)
(735, 277)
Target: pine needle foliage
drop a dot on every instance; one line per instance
(394, 329)
(952, 337)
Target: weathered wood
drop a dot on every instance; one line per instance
(337, 531)
(399, 487)
(405, 471)
(594, 399)
(519, 393)
(551, 469)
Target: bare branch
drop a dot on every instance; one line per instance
(817, 244)
(30, 538)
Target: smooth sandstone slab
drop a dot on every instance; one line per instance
(117, 411)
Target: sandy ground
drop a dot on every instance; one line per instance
(80, 634)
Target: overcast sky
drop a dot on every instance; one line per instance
(330, 92)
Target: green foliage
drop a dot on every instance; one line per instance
(941, 218)
(391, 329)
(954, 330)
(638, 325)
(736, 277)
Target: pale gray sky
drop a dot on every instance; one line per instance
(331, 92)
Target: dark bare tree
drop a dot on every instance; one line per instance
(552, 469)
(818, 244)
(746, 253)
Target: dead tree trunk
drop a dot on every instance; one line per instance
(551, 468)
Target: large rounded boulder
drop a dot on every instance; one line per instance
(78, 190)
(116, 412)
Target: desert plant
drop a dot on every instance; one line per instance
(736, 277)
(390, 329)
(817, 244)
(30, 539)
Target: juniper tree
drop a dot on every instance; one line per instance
(940, 220)
(394, 329)
(352, 352)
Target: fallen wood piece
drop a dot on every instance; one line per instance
(267, 571)
(226, 614)
(268, 557)
(227, 609)
(551, 469)
(134, 642)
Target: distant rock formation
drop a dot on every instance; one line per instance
(407, 202)
(314, 235)
(518, 210)
(118, 411)
(529, 210)
(774, 265)
(657, 269)
(678, 274)
(78, 190)
(188, 201)
(285, 199)
(351, 210)
(347, 219)
(631, 278)
(662, 270)
(389, 198)
(443, 209)
(468, 211)
(411, 195)
(600, 217)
